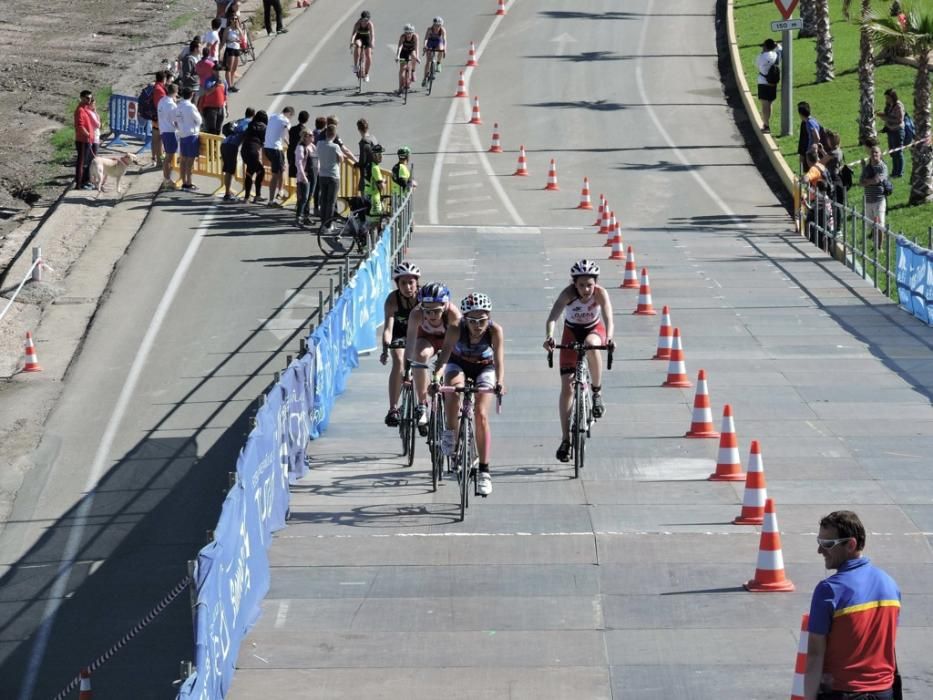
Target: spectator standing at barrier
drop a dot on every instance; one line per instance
(347, 153)
(230, 147)
(302, 158)
(819, 201)
(232, 38)
(267, 7)
(893, 116)
(401, 173)
(853, 619)
(365, 160)
(274, 147)
(294, 138)
(188, 121)
(158, 92)
(251, 150)
(767, 91)
(167, 132)
(873, 178)
(214, 104)
(375, 184)
(320, 124)
(329, 156)
(205, 69)
(95, 126)
(82, 124)
(835, 162)
(809, 133)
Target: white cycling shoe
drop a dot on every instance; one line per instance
(484, 483)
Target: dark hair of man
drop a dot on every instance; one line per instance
(769, 45)
(803, 109)
(160, 76)
(320, 122)
(892, 93)
(171, 89)
(362, 125)
(85, 94)
(288, 111)
(303, 116)
(186, 93)
(250, 112)
(846, 524)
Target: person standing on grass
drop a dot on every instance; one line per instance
(167, 132)
(83, 136)
(274, 148)
(893, 116)
(188, 120)
(329, 156)
(767, 91)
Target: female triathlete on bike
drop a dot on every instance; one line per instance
(362, 39)
(435, 40)
(587, 312)
(406, 53)
(398, 307)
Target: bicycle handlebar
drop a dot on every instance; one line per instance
(580, 348)
(474, 390)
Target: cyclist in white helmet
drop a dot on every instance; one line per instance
(587, 312)
(406, 53)
(435, 40)
(398, 307)
(474, 348)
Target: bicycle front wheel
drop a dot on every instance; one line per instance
(466, 465)
(404, 424)
(577, 432)
(336, 236)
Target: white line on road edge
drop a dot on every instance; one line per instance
(101, 458)
(657, 122)
(445, 140)
(311, 56)
(282, 615)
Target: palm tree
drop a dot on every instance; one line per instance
(915, 29)
(808, 16)
(825, 68)
(866, 75)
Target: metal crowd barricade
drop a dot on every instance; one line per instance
(125, 120)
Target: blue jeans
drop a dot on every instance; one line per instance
(896, 140)
(303, 194)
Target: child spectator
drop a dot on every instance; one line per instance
(302, 158)
(401, 173)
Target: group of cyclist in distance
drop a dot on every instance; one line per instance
(407, 52)
(467, 344)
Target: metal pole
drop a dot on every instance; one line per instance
(787, 82)
(288, 361)
(37, 269)
(193, 592)
(320, 306)
(330, 295)
(930, 238)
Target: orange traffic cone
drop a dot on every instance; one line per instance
(84, 690)
(599, 212)
(756, 493)
(522, 170)
(501, 10)
(728, 465)
(610, 230)
(461, 87)
(471, 57)
(552, 177)
(616, 253)
(644, 307)
(585, 202)
(676, 367)
(32, 360)
(496, 147)
(769, 573)
(664, 336)
(701, 426)
(630, 278)
(604, 221)
(800, 665)
(476, 118)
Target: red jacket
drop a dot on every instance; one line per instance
(158, 92)
(83, 126)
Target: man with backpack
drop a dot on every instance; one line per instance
(769, 74)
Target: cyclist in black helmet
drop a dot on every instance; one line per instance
(362, 39)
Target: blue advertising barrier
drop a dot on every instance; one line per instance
(232, 572)
(915, 279)
(126, 120)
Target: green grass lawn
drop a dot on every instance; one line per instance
(834, 104)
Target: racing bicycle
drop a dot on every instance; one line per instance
(341, 233)
(432, 73)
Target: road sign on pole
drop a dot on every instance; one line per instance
(786, 24)
(786, 7)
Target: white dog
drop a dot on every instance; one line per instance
(103, 167)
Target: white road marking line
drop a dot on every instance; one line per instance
(505, 228)
(465, 186)
(466, 214)
(639, 77)
(281, 615)
(512, 230)
(463, 173)
(102, 459)
(353, 583)
(465, 200)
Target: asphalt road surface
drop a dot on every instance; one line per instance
(624, 583)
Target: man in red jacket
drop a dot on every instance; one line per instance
(83, 140)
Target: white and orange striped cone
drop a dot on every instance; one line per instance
(32, 360)
(630, 278)
(476, 118)
(522, 170)
(552, 177)
(610, 230)
(701, 425)
(461, 87)
(599, 211)
(471, 57)
(604, 220)
(728, 464)
(676, 366)
(644, 307)
(501, 10)
(84, 690)
(756, 492)
(496, 147)
(664, 336)
(769, 573)
(585, 202)
(800, 664)
(617, 243)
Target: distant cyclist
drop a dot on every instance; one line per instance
(406, 53)
(427, 327)
(362, 39)
(398, 306)
(587, 312)
(473, 349)
(435, 41)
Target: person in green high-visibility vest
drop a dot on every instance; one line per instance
(375, 184)
(401, 172)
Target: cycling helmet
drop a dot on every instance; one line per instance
(475, 302)
(439, 21)
(406, 268)
(364, 14)
(434, 292)
(584, 268)
(378, 148)
(409, 28)
(404, 151)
